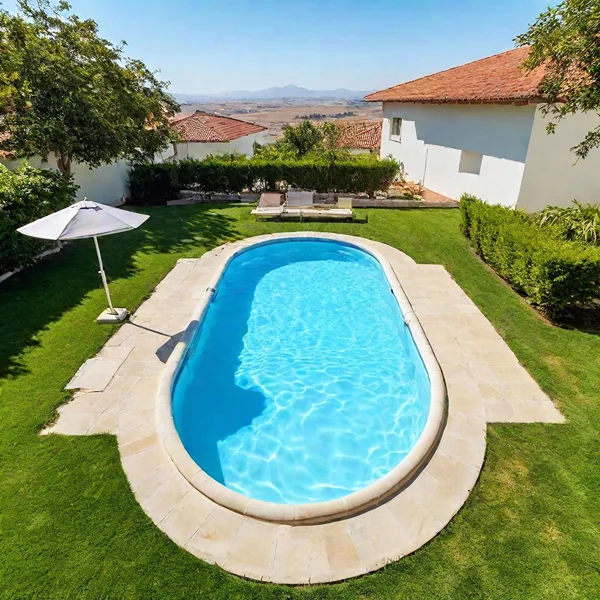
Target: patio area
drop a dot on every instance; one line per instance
(117, 393)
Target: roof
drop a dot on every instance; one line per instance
(364, 135)
(204, 127)
(496, 79)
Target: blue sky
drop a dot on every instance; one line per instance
(205, 46)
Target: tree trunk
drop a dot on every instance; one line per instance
(63, 162)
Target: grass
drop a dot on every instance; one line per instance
(71, 528)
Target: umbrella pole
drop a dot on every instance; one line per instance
(103, 275)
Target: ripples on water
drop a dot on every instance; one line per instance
(304, 384)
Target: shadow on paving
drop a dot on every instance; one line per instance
(33, 299)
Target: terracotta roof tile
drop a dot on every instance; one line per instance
(364, 135)
(204, 127)
(497, 78)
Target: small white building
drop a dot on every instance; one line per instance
(201, 134)
(478, 128)
(107, 184)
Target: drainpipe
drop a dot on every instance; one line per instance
(425, 166)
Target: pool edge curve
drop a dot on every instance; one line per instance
(320, 512)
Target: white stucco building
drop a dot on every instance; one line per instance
(107, 184)
(201, 134)
(478, 128)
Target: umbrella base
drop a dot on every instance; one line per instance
(109, 317)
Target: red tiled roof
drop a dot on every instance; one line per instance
(204, 127)
(363, 135)
(498, 78)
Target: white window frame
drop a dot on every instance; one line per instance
(396, 137)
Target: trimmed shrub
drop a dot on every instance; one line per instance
(157, 183)
(554, 273)
(153, 183)
(27, 194)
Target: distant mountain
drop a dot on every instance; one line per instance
(275, 93)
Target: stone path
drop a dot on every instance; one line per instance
(116, 394)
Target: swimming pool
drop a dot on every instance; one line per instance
(302, 383)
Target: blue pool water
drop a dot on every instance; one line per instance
(303, 383)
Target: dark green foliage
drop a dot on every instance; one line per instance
(307, 141)
(64, 90)
(157, 183)
(580, 222)
(28, 194)
(554, 273)
(302, 139)
(564, 42)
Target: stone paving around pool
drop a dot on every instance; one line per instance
(116, 393)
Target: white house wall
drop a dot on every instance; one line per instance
(107, 184)
(199, 151)
(552, 175)
(434, 136)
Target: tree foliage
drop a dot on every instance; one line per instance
(301, 139)
(27, 194)
(580, 222)
(307, 140)
(565, 40)
(331, 150)
(66, 90)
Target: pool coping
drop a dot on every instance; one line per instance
(321, 512)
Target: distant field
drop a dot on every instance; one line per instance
(274, 114)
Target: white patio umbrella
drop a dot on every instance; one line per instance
(87, 219)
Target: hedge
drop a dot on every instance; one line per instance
(27, 194)
(555, 274)
(157, 183)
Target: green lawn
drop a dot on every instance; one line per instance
(71, 528)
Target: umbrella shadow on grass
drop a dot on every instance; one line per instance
(39, 296)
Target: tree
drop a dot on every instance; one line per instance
(307, 140)
(301, 139)
(331, 150)
(565, 41)
(67, 91)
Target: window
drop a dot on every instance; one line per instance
(470, 162)
(396, 130)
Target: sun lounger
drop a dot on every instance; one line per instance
(299, 205)
(316, 213)
(299, 199)
(267, 211)
(284, 212)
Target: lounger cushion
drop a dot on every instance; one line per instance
(300, 198)
(270, 199)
